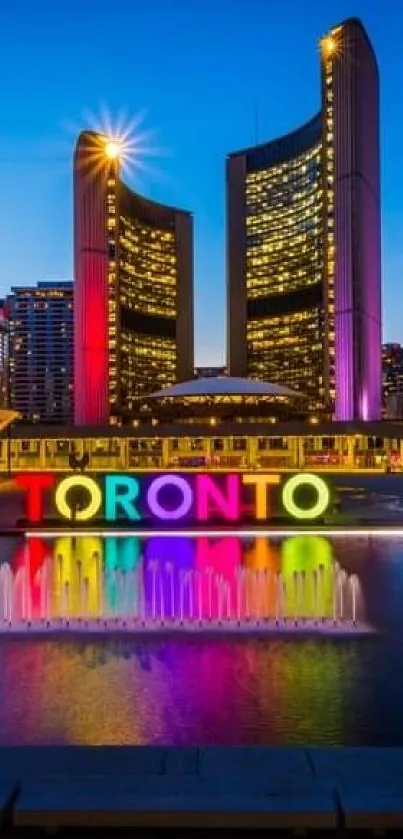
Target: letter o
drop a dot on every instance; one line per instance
(87, 483)
(154, 490)
(321, 504)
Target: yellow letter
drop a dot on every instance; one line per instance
(78, 481)
(320, 505)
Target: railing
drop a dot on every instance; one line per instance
(235, 464)
(177, 455)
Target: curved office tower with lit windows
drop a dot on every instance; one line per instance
(133, 291)
(303, 244)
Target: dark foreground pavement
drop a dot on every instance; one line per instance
(190, 790)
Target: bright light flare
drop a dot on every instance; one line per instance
(123, 141)
(113, 150)
(330, 44)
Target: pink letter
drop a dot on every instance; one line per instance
(208, 495)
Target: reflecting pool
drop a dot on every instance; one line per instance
(192, 687)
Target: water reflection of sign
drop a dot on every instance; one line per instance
(176, 579)
(166, 497)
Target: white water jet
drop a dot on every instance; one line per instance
(303, 592)
(67, 598)
(209, 572)
(162, 600)
(334, 597)
(6, 592)
(239, 573)
(353, 584)
(170, 570)
(203, 595)
(315, 594)
(199, 595)
(181, 597)
(296, 592)
(190, 583)
(340, 585)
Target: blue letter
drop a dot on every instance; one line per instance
(121, 491)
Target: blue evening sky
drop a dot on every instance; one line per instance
(201, 70)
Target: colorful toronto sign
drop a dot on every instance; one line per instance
(168, 498)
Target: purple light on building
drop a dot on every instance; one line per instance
(354, 88)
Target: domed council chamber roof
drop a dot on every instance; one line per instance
(224, 386)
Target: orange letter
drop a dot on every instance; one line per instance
(261, 482)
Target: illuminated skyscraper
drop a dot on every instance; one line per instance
(40, 346)
(133, 289)
(4, 356)
(392, 369)
(303, 243)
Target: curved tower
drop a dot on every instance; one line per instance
(133, 289)
(303, 244)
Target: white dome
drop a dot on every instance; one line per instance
(224, 386)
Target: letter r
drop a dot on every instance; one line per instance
(120, 493)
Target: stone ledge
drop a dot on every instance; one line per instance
(372, 809)
(212, 787)
(368, 767)
(79, 807)
(31, 761)
(8, 793)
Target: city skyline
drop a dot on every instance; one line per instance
(193, 177)
(40, 347)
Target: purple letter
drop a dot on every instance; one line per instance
(154, 490)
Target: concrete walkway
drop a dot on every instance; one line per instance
(212, 787)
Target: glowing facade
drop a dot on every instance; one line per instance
(133, 289)
(4, 356)
(40, 346)
(392, 379)
(303, 262)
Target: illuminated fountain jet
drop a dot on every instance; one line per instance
(129, 584)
